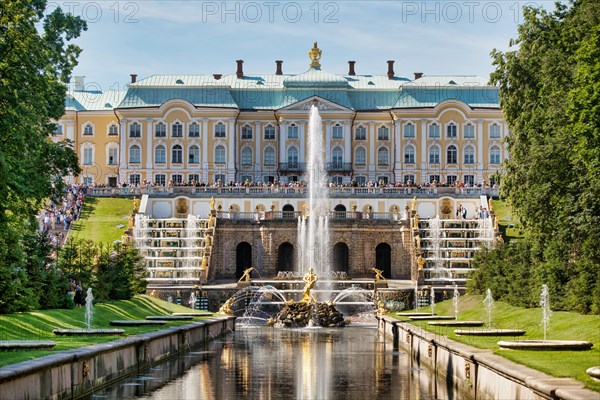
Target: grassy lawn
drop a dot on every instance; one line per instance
(100, 217)
(38, 325)
(508, 224)
(563, 325)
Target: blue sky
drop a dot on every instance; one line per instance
(206, 37)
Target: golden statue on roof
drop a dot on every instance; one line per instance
(315, 56)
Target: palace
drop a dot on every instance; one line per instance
(252, 127)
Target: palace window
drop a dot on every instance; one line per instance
(177, 130)
(409, 179)
(88, 156)
(434, 179)
(135, 179)
(360, 156)
(383, 133)
(113, 130)
(134, 154)
(177, 154)
(292, 131)
(409, 154)
(160, 130)
(494, 131)
(383, 157)
(434, 155)
(193, 179)
(469, 180)
(219, 129)
(495, 155)
(247, 157)
(337, 132)
(269, 132)
(469, 156)
(58, 129)
(220, 178)
(219, 155)
(246, 132)
(269, 158)
(360, 133)
(451, 131)
(337, 156)
(177, 179)
(450, 179)
(409, 130)
(194, 154)
(194, 130)
(452, 155)
(113, 155)
(160, 179)
(360, 180)
(160, 154)
(292, 155)
(434, 130)
(88, 130)
(135, 130)
(469, 131)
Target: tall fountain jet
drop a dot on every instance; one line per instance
(313, 226)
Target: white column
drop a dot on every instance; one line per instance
(480, 160)
(257, 150)
(282, 139)
(231, 150)
(347, 143)
(328, 141)
(123, 150)
(372, 148)
(204, 134)
(397, 143)
(149, 151)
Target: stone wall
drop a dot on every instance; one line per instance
(266, 236)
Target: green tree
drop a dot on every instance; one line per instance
(35, 65)
(550, 95)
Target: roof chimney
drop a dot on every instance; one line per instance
(279, 71)
(351, 68)
(79, 83)
(390, 72)
(418, 75)
(217, 76)
(240, 70)
(133, 78)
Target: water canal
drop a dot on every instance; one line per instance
(266, 363)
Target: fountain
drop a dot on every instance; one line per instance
(89, 316)
(488, 303)
(192, 301)
(455, 297)
(546, 344)
(455, 321)
(432, 300)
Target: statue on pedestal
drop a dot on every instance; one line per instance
(310, 279)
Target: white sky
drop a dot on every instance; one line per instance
(206, 37)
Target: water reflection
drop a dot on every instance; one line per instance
(267, 363)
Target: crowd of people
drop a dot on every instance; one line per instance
(58, 215)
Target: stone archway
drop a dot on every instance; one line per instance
(341, 257)
(243, 258)
(383, 259)
(339, 211)
(288, 211)
(285, 257)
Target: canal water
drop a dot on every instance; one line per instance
(266, 363)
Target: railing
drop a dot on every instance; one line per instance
(291, 167)
(291, 215)
(338, 167)
(291, 191)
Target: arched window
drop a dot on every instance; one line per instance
(285, 257)
(409, 154)
(292, 155)
(113, 130)
(383, 156)
(360, 133)
(160, 154)
(452, 155)
(177, 129)
(337, 157)
(219, 129)
(269, 132)
(220, 155)
(135, 130)
(88, 154)
(469, 131)
(341, 259)
(434, 155)
(451, 131)
(495, 131)
(360, 156)
(246, 132)
(160, 130)
(134, 154)
(292, 131)
(337, 132)
(177, 154)
(269, 158)
(383, 133)
(246, 156)
(409, 130)
(469, 155)
(88, 130)
(194, 130)
(495, 155)
(194, 154)
(434, 130)
(113, 153)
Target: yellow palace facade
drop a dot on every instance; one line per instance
(253, 127)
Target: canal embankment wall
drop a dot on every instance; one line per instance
(478, 373)
(75, 373)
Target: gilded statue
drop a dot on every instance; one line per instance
(413, 204)
(226, 307)
(246, 276)
(491, 205)
(131, 222)
(421, 261)
(315, 56)
(306, 210)
(212, 204)
(378, 275)
(310, 279)
(136, 204)
(204, 263)
(381, 308)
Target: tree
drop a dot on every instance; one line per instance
(35, 65)
(550, 96)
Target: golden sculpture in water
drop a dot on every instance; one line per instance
(246, 276)
(381, 308)
(212, 204)
(226, 307)
(306, 210)
(310, 279)
(378, 275)
(315, 56)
